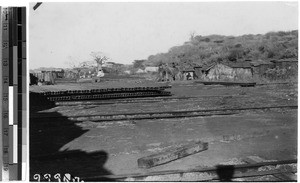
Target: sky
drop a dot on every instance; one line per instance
(69, 32)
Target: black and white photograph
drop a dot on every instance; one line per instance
(163, 91)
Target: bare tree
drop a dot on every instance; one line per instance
(192, 35)
(99, 58)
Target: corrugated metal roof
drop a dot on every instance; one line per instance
(229, 64)
(51, 70)
(47, 69)
(286, 60)
(237, 64)
(207, 67)
(260, 62)
(186, 68)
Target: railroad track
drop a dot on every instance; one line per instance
(287, 168)
(136, 100)
(158, 115)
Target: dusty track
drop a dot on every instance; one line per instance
(264, 124)
(209, 174)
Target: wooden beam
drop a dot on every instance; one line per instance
(171, 155)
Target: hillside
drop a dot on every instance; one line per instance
(206, 49)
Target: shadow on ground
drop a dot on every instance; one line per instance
(225, 172)
(47, 136)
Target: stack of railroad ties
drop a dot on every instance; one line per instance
(102, 94)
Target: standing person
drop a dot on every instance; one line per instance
(188, 76)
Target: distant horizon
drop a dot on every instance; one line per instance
(134, 31)
(68, 67)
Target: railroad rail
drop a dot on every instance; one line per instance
(159, 115)
(119, 101)
(209, 174)
(137, 100)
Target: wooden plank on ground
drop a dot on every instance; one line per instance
(281, 176)
(170, 155)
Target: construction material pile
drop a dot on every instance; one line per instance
(56, 93)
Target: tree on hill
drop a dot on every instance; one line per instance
(206, 49)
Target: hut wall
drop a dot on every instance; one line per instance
(224, 72)
(70, 75)
(40, 76)
(220, 72)
(43, 77)
(242, 73)
(198, 72)
(49, 77)
(260, 70)
(60, 74)
(33, 79)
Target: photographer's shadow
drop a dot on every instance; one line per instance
(225, 172)
(48, 135)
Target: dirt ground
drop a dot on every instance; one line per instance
(114, 147)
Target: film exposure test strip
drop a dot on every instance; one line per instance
(13, 93)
